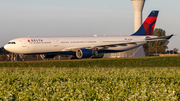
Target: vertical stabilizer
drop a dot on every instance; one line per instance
(148, 25)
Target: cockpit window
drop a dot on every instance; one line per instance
(11, 42)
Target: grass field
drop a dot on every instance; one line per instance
(117, 62)
(92, 83)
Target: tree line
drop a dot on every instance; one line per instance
(158, 47)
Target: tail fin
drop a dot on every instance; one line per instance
(148, 26)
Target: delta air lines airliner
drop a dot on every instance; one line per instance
(86, 47)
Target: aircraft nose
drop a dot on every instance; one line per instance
(6, 47)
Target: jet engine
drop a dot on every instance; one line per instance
(84, 53)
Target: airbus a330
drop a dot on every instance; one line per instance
(86, 47)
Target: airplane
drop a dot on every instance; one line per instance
(86, 47)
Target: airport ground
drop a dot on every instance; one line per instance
(94, 82)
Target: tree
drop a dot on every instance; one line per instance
(175, 51)
(156, 46)
(3, 51)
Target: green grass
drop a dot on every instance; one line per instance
(92, 83)
(119, 62)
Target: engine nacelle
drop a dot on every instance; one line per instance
(84, 53)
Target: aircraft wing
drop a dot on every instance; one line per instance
(107, 45)
(159, 38)
(101, 46)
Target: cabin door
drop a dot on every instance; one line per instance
(24, 44)
(55, 42)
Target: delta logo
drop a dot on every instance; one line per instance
(35, 40)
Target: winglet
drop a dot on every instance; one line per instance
(169, 36)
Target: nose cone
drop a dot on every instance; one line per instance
(6, 47)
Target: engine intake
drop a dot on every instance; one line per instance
(84, 53)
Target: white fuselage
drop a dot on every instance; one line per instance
(31, 45)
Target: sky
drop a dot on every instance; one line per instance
(22, 18)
